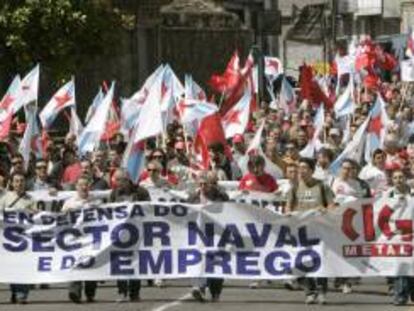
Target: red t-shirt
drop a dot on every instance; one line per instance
(171, 178)
(71, 173)
(263, 183)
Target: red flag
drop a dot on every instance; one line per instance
(333, 68)
(235, 94)
(229, 79)
(111, 128)
(365, 60)
(311, 90)
(113, 123)
(210, 131)
(253, 104)
(305, 82)
(371, 80)
(389, 62)
(367, 55)
(5, 126)
(45, 141)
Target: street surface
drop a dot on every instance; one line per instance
(371, 295)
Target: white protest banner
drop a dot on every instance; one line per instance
(45, 201)
(229, 240)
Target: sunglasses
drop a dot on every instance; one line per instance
(152, 170)
(41, 167)
(17, 162)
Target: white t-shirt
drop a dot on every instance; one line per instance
(347, 188)
(76, 202)
(323, 175)
(376, 178)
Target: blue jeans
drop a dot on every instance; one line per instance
(20, 291)
(402, 289)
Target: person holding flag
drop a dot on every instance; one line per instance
(374, 173)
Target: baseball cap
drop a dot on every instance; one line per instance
(238, 139)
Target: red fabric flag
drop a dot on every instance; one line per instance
(365, 60)
(371, 80)
(113, 123)
(367, 56)
(5, 126)
(305, 82)
(111, 128)
(253, 104)
(389, 62)
(45, 141)
(311, 90)
(210, 131)
(235, 94)
(333, 68)
(229, 79)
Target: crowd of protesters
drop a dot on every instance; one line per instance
(170, 164)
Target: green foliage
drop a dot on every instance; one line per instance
(60, 34)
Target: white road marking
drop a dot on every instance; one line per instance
(174, 303)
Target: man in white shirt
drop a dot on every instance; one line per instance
(18, 200)
(374, 173)
(400, 191)
(344, 186)
(154, 179)
(81, 199)
(324, 160)
(41, 181)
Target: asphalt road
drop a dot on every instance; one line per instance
(371, 295)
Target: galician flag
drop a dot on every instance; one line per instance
(31, 141)
(91, 135)
(64, 98)
(30, 87)
(10, 100)
(193, 90)
(148, 124)
(235, 120)
(255, 147)
(377, 127)
(95, 104)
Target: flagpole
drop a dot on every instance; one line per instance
(184, 130)
(37, 92)
(220, 103)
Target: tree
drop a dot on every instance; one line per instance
(60, 34)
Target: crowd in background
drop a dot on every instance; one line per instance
(309, 181)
